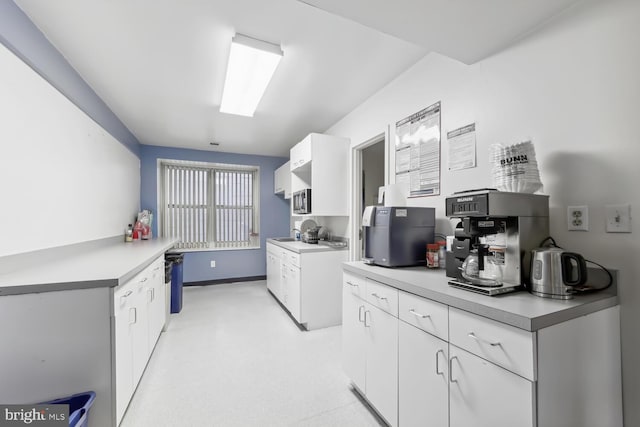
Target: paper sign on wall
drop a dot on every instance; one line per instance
(462, 147)
(418, 151)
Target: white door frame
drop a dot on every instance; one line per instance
(355, 253)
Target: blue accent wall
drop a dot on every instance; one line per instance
(274, 212)
(24, 39)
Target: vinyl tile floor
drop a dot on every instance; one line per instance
(234, 357)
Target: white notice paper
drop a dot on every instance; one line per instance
(462, 147)
(418, 151)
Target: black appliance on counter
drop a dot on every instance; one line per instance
(397, 236)
(502, 226)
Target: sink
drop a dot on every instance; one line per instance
(284, 239)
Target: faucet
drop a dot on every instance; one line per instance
(297, 235)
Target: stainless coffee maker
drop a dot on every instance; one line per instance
(499, 229)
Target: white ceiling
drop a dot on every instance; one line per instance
(466, 30)
(160, 65)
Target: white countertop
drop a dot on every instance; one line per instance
(106, 263)
(520, 309)
(301, 247)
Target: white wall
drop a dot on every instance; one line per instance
(63, 178)
(574, 87)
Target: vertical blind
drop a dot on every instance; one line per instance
(209, 207)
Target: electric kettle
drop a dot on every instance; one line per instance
(555, 272)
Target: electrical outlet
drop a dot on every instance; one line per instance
(213, 263)
(577, 218)
(618, 218)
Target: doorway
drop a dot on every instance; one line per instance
(369, 175)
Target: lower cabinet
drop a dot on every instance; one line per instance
(419, 362)
(156, 304)
(381, 356)
(139, 329)
(423, 378)
(124, 324)
(274, 272)
(370, 349)
(485, 395)
(139, 311)
(353, 338)
(291, 288)
(307, 283)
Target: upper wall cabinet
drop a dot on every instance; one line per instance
(321, 163)
(282, 180)
(301, 153)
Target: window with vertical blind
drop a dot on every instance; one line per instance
(209, 205)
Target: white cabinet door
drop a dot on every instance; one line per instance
(139, 312)
(284, 284)
(353, 338)
(155, 304)
(382, 362)
(273, 273)
(139, 329)
(282, 180)
(287, 182)
(277, 181)
(123, 308)
(485, 395)
(423, 390)
(293, 295)
(300, 154)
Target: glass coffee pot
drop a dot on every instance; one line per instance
(480, 268)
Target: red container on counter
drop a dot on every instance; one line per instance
(432, 255)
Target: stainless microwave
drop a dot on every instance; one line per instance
(302, 201)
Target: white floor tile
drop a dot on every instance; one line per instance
(233, 357)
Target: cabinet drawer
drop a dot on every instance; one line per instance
(157, 269)
(430, 316)
(512, 348)
(383, 297)
(292, 258)
(356, 285)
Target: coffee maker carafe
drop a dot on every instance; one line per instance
(503, 228)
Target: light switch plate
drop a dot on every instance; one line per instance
(577, 218)
(618, 218)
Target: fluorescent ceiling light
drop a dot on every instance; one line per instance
(251, 65)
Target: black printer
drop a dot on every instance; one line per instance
(397, 236)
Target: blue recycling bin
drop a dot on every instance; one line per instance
(177, 261)
(79, 405)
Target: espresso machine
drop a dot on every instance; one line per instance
(495, 235)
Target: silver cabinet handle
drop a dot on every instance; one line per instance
(378, 296)
(438, 362)
(143, 280)
(365, 319)
(360, 311)
(415, 313)
(451, 369)
(473, 336)
(125, 296)
(352, 284)
(133, 311)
